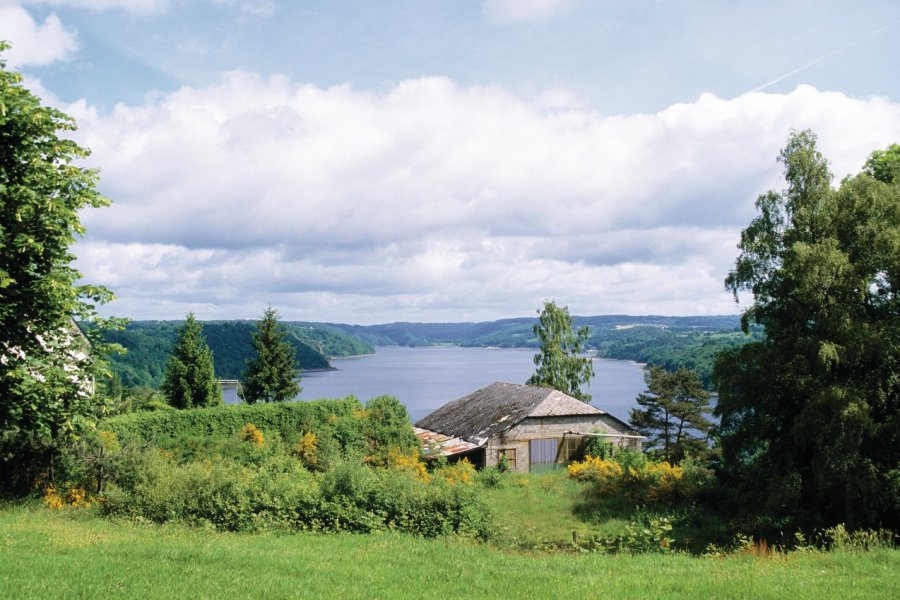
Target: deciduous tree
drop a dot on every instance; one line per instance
(560, 364)
(272, 372)
(190, 377)
(810, 428)
(46, 366)
(672, 414)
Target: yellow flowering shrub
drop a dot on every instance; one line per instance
(307, 449)
(52, 498)
(408, 461)
(249, 433)
(75, 496)
(459, 472)
(649, 481)
(667, 483)
(595, 469)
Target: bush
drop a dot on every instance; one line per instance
(287, 418)
(280, 493)
(641, 480)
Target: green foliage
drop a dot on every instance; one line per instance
(190, 380)
(46, 365)
(884, 165)
(150, 342)
(654, 534)
(288, 418)
(671, 414)
(559, 364)
(387, 425)
(809, 416)
(272, 372)
(240, 486)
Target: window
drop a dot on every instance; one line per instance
(510, 454)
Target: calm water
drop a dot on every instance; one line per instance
(426, 378)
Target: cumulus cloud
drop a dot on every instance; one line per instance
(527, 11)
(432, 201)
(34, 43)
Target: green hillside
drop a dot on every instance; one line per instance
(673, 342)
(148, 344)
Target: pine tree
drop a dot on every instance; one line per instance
(673, 411)
(190, 377)
(272, 374)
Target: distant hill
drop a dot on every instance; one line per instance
(150, 342)
(691, 342)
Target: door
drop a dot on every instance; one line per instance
(542, 454)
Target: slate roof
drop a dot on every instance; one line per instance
(500, 406)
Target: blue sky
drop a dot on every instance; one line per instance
(365, 161)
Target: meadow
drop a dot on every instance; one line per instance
(72, 553)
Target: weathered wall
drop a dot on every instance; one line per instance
(533, 428)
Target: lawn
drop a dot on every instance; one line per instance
(74, 554)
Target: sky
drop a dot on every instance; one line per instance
(460, 160)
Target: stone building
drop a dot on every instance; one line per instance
(534, 428)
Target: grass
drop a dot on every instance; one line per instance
(74, 554)
(534, 511)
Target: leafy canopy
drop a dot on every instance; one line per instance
(272, 372)
(190, 378)
(559, 363)
(47, 366)
(809, 416)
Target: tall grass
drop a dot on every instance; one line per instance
(73, 554)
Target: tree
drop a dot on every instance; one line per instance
(559, 363)
(810, 430)
(884, 165)
(673, 413)
(47, 366)
(190, 378)
(272, 373)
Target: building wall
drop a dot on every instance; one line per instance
(519, 437)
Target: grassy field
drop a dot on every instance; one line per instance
(74, 554)
(534, 511)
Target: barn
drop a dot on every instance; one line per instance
(534, 428)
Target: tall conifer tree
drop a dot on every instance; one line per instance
(190, 377)
(272, 374)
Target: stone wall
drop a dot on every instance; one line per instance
(519, 437)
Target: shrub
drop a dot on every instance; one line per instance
(460, 472)
(279, 493)
(306, 449)
(639, 479)
(288, 419)
(595, 469)
(250, 433)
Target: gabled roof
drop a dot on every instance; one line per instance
(500, 406)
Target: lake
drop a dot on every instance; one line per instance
(426, 378)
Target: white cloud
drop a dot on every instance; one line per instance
(527, 11)
(34, 43)
(431, 201)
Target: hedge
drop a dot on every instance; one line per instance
(221, 421)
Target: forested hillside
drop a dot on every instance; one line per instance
(148, 344)
(672, 342)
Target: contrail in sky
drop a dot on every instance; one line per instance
(823, 57)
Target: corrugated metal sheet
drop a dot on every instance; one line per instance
(447, 445)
